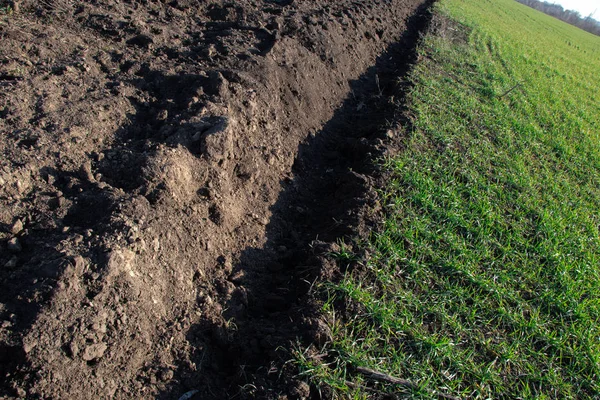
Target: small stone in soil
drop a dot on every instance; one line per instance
(27, 347)
(17, 227)
(237, 277)
(14, 245)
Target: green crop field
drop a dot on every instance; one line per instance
(485, 280)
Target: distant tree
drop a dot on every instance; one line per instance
(569, 16)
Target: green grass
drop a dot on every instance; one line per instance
(5, 7)
(485, 279)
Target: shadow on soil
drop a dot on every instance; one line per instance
(332, 187)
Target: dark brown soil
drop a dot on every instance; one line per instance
(173, 176)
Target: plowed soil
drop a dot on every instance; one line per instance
(173, 178)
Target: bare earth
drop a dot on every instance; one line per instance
(173, 176)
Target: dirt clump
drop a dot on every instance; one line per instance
(172, 174)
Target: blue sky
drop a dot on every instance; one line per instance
(585, 7)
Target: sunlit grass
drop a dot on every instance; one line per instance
(484, 281)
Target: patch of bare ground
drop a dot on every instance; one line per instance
(172, 178)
